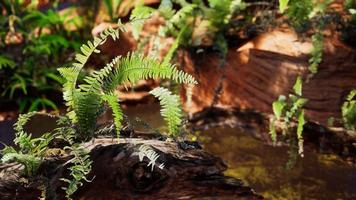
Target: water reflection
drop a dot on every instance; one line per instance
(316, 176)
(263, 168)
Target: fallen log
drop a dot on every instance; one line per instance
(117, 172)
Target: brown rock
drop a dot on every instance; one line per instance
(266, 67)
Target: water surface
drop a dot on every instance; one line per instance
(263, 167)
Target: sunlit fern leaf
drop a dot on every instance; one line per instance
(138, 17)
(135, 67)
(94, 82)
(151, 154)
(6, 62)
(171, 109)
(112, 100)
(179, 19)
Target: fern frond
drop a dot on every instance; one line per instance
(171, 109)
(86, 108)
(71, 74)
(112, 100)
(316, 53)
(151, 154)
(135, 67)
(94, 82)
(79, 170)
(138, 16)
(6, 62)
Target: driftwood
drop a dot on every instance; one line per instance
(189, 173)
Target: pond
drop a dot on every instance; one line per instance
(261, 166)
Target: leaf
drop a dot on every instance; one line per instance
(300, 128)
(301, 122)
(298, 86)
(278, 107)
(283, 5)
(171, 109)
(6, 62)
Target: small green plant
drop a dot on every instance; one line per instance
(31, 150)
(171, 109)
(349, 111)
(286, 111)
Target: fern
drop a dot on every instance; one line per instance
(80, 168)
(152, 156)
(112, 100)
(86, 108)
(171, 109)
(85, 102)
(135, 67)
(288, 110)
(138, 16)
(6, 62)
(31, 150)
(316, 53)
(71, 74)
(349, 111)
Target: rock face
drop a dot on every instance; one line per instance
(189, 173)
(266, 67)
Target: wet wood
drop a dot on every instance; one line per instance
(189, 173)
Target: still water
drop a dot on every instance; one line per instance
(263, 167)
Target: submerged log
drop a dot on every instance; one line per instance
(189, 173)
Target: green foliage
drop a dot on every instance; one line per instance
(6, 62)
(137, 18)
(316, 53)
(349, 111)
(79, 169)
(31, 150)
(288, 110)
(299, 12)
(171, 109)
(112, 6)
(43, 39)
(85, 101)
(112, 100)
(283, 5)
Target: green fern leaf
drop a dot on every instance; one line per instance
(5, 62)
(112, 100)
(171, 109)
(86, 108)
(135, 67)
